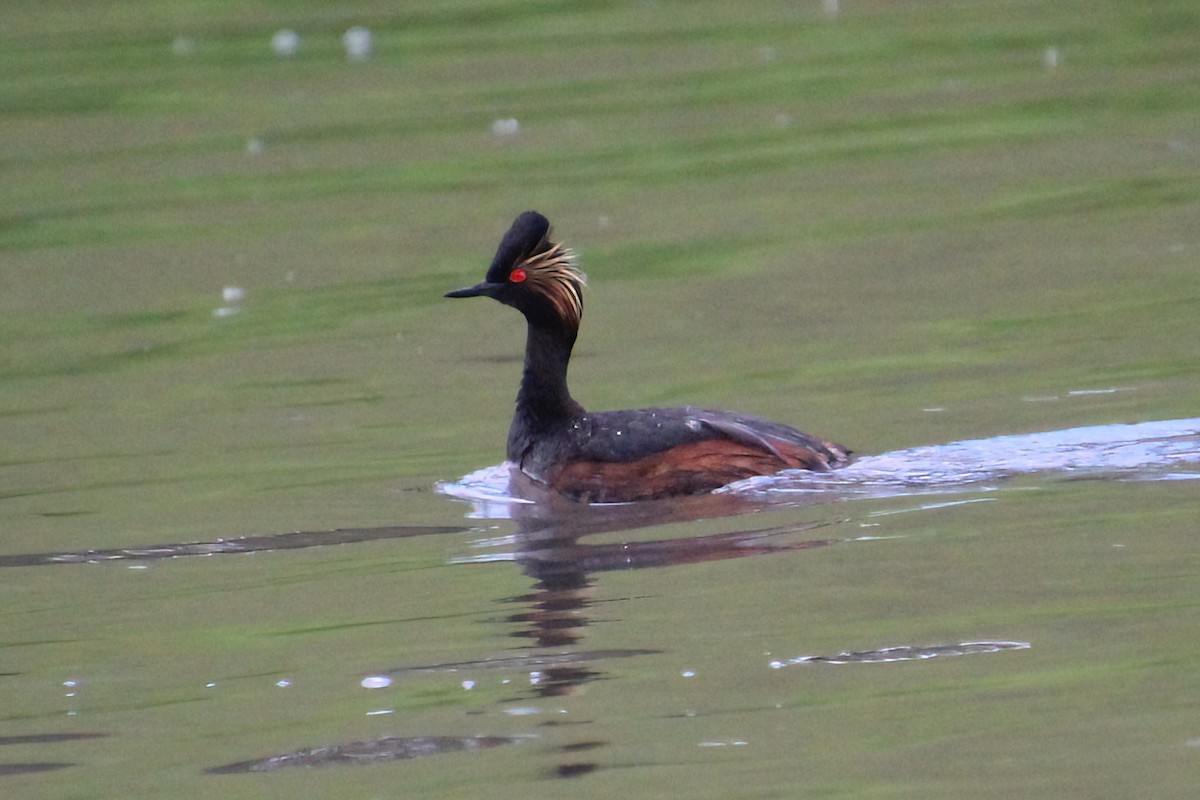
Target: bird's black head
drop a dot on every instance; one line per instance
(534, 275)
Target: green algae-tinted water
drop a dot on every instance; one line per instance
(894, 227)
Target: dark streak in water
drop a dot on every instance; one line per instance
(30, 767)
(47, 738)
(245, 544)
(25, 769)
(376, 751)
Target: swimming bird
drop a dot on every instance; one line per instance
(616, 456)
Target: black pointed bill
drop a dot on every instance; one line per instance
(484, 289)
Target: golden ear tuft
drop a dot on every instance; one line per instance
(554, 275)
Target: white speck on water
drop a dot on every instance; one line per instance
(283, 683)
(506, 127)
(376, 682)
(70, 684)
(1111, 390)
(285, 43)
(357, 41)
(210, 685)
(523, 711)
(934, 409)
(931, 506)
(468, 685)
(688, 673)
(380, 712)
(233, 297)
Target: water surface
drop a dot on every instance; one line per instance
(229, 388)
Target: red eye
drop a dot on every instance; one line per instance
(516, 276)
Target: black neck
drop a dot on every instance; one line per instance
(543, 399)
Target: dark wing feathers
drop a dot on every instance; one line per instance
(632, 435)
(622, 456)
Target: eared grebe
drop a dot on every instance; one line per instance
(616, 456)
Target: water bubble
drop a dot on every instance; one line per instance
(506, 127)
(285, 43)
(357, 41)
(376, 682)
(233, 297)
(283, 683)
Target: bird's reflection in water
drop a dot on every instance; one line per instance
(549, 544)
(550, 550)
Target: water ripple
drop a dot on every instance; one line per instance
(1139, 451)
(1146, 451)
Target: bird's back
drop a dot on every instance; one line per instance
(619, 456)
